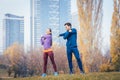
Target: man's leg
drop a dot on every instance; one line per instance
(69, 57)
(76, 54)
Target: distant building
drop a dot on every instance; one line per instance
(1, 37)
(49, 14)
(14, 30)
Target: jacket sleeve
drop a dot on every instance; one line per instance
(65, 35)
(42, 40)
(51, 41)
(73, 31)
(62, 34)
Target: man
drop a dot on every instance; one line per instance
(71, 45)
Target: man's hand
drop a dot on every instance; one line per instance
(70, 30)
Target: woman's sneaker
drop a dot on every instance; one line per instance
(44, 75)
(55, 73)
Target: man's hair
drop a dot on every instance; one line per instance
(68, 24)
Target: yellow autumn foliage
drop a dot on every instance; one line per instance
(115, 36)
(90, 18)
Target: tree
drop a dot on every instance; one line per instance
(16, 60)
(115, 36)
(90, 17)
(13, 53)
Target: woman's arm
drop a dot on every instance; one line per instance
(42, 40)
(51, 42)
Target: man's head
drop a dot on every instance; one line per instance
(68, 26)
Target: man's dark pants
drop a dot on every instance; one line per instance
(75, 51)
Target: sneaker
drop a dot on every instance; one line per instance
(44, 75)
(55, 73)
(82, 72)
(71, 72)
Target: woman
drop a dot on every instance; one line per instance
(46, 41)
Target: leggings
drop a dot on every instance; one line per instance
(45, 57)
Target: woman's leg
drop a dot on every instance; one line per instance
(45, 58)
(51, 55)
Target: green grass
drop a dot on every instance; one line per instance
(3, 72)
(90, 76)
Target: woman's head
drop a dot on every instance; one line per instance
(49, 31)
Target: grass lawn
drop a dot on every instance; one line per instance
(89, 76)
(3, 73)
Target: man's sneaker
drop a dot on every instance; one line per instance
(55, 73)
(44, 75)
(82, 72)
(71, 72)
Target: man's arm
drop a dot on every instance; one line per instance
(61, 34)
(65, 35)
(73, 31)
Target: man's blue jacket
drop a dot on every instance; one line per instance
(71, 38)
